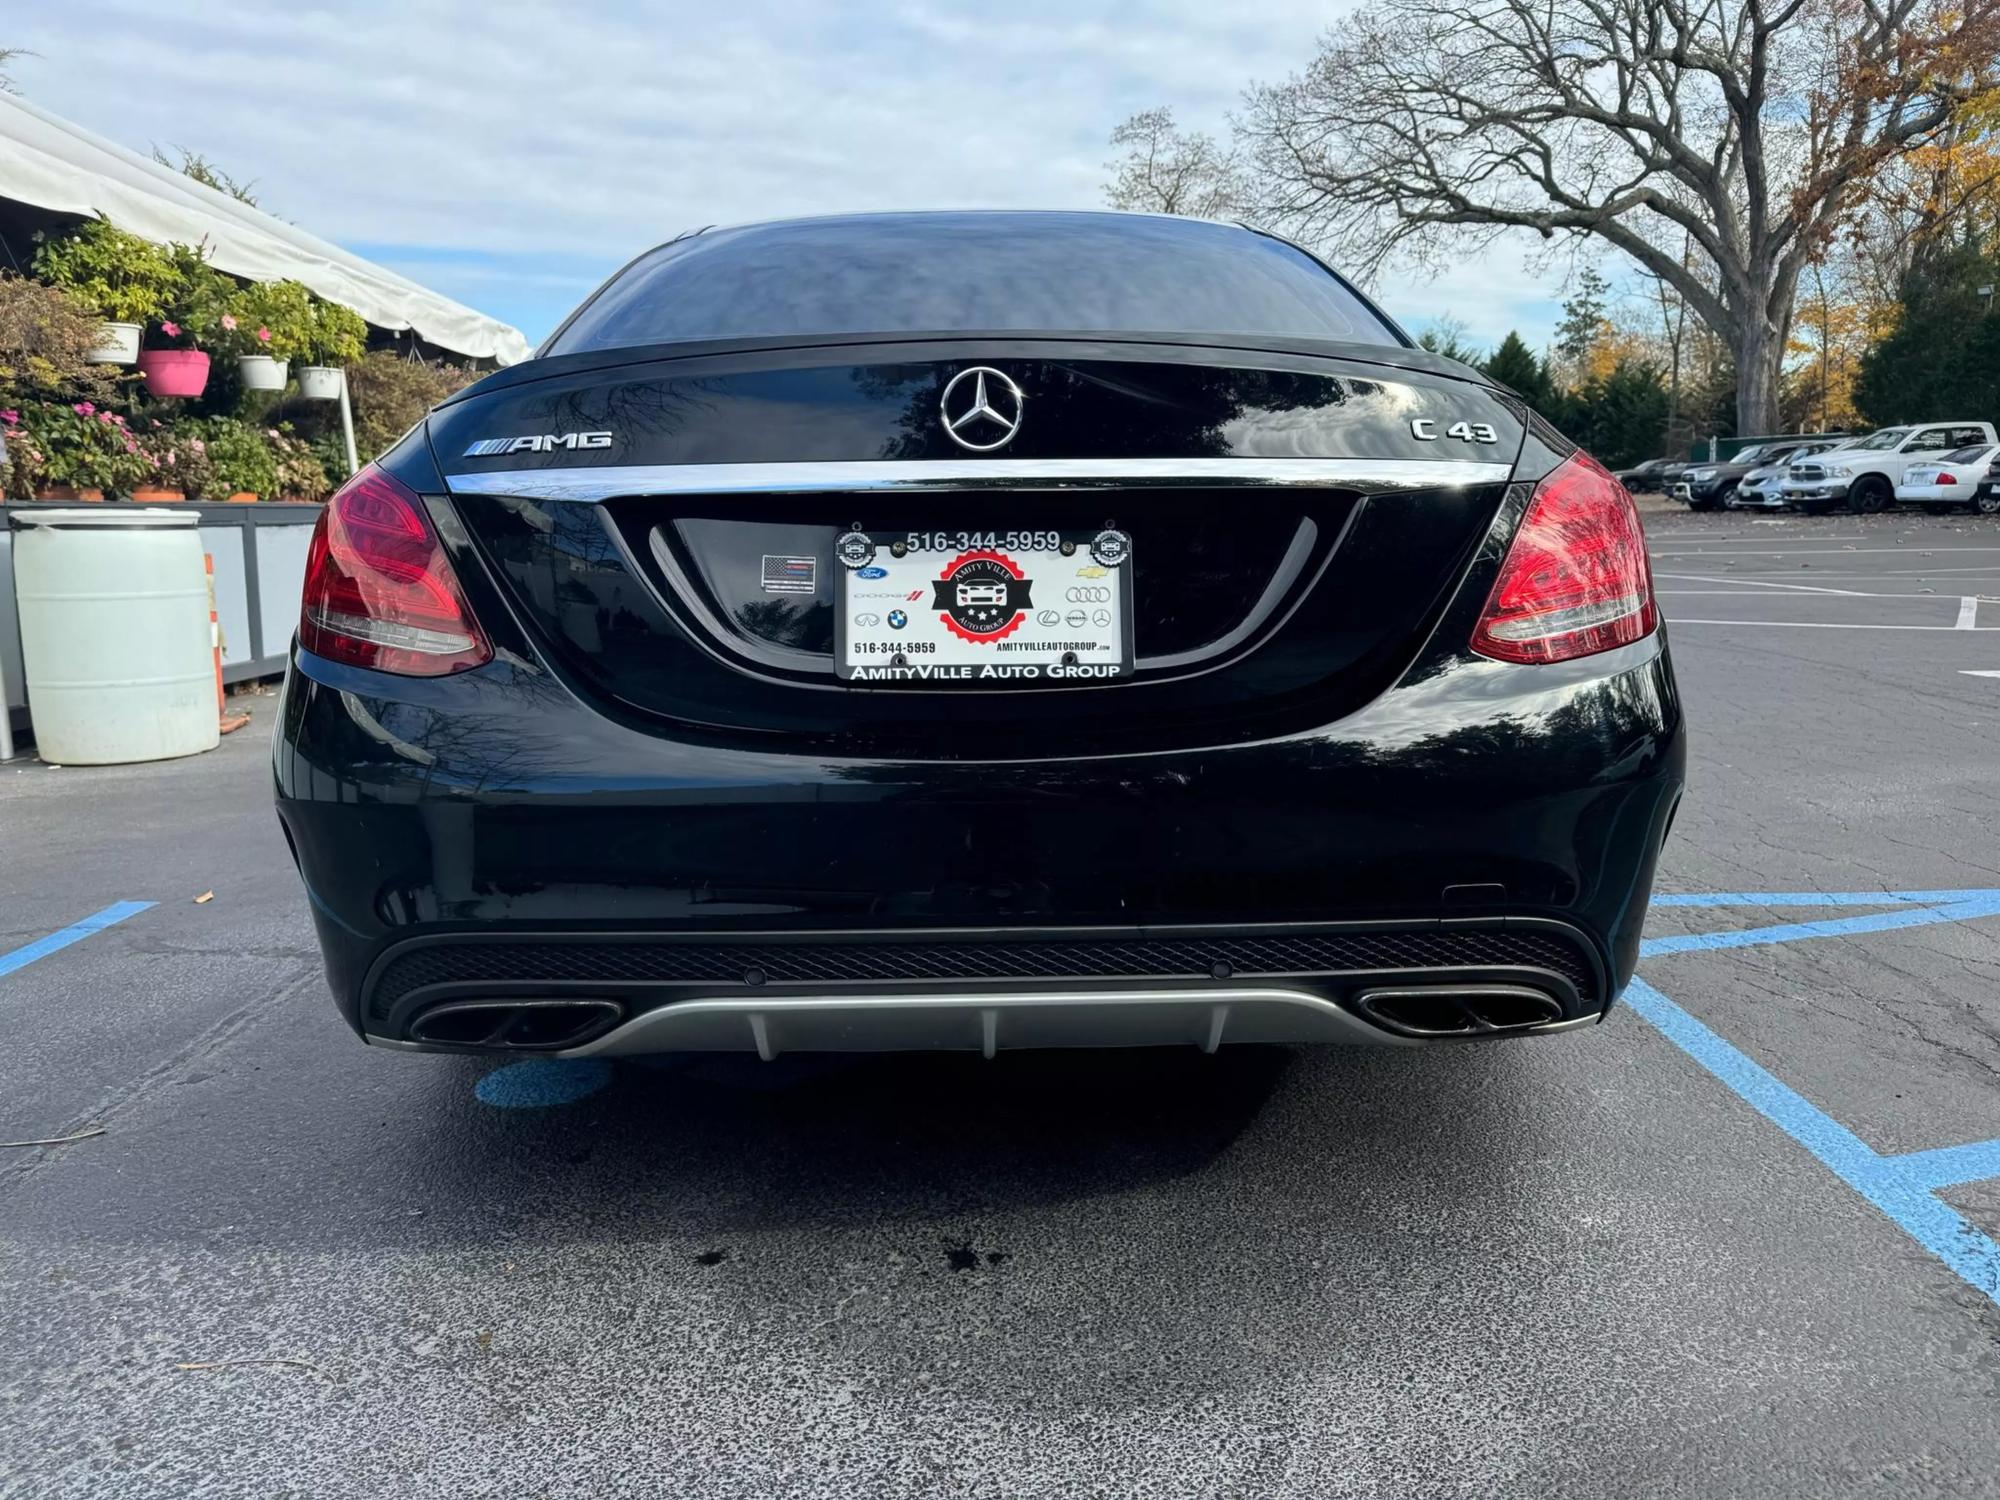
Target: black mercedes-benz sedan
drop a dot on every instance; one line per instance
(977, 630)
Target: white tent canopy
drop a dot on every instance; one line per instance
(49, 163)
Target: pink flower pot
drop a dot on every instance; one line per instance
(174, 372)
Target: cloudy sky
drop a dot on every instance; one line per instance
(511, 155)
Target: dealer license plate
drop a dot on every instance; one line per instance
(984, 608)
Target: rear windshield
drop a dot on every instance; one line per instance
(950, 273)
(1970, 455)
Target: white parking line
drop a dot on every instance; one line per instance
(1803, 588)
(1678, 621)
(1968, 614)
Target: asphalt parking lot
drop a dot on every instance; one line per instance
(1740, 1240)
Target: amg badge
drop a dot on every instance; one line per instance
(538, 442)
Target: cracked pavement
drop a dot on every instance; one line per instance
(1572, 1267)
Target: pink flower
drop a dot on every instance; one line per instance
(104, 417)
(119, 420)
(131, 446)
(83, 408)
(172, 455)
(229, 321)
(270, 432)
(171, 330)
(198, 445)
(263, 335)
(11, 418)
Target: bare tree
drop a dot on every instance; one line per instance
(1750, 127)
(1169, 171)
(7, 56)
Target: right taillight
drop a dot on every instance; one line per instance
(379, 592)
(1575, 581)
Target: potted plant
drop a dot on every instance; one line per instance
(300, 473)
(267, 325)
(123, 279)
(26, 466)
(240, 460)
(337, 336)
(175, 361)
(181, 469)
(86, 451)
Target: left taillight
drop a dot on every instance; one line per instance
(379, 592)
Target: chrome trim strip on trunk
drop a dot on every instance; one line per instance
(604, 482)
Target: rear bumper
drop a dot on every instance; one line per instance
(489, 836)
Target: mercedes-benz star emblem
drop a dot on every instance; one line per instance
(992, 414)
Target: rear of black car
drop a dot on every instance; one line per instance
(977, 631)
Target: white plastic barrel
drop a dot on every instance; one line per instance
(115, 636)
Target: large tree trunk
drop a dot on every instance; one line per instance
(1760, 352)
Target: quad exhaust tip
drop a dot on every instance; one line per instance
(515, 1025)
(1459, 1010)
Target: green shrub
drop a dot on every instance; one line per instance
(123, 278)
(301, 474)
(270, 317)
(240, 457)
(46, 336)
(77, 444)
(335, 335)
(390, 395)
(191, 316)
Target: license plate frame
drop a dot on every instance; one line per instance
(996, 609)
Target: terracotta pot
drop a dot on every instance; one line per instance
(147, 494)
(243, 497)
(174, 372)
(68, 492)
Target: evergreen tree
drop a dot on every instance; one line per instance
(1943, 360)
(1514, 365)
(1583, 317)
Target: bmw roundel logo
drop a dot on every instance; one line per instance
(897, 619)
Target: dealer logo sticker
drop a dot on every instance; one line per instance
(982, 596)
(1111, 547)
(855, 549)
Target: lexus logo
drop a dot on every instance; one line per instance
(982, 409)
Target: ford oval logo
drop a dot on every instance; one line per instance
(871, 573)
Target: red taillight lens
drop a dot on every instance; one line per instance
(1575, 581)
(379, 592)
(1947, 477)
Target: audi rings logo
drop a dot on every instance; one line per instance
(1088, 593)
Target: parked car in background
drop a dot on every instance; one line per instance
(1864, 474)
(1650, 477)
(1958, 481)
(1709, 486)
(1763, 487)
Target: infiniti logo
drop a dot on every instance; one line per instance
(983, 414)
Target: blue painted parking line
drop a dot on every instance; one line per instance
(1950, 1166)
(1903, 1187)
(1921, 1214)
(1818, 898)
(116, 912)
(1945, 906)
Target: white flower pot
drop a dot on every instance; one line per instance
(260, 372)
(120, 346)
(320, 382)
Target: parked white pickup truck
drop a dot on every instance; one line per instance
(1864, 474)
